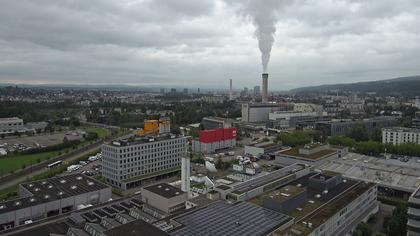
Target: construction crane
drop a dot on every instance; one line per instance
(155, 127)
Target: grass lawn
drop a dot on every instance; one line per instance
(102, 133)
(15, 162)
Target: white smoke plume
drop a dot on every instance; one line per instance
(263, 13)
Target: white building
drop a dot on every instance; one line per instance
(11, 125)
(137, 161)
(413, 222)
(399, 135)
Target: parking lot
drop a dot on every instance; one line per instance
(42, 140)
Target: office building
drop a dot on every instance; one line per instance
(415, 123)
(136, 161)
(400, 135)
(51, 197)
(413, 222)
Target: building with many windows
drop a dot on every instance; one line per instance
(137, 160)
(399, 135)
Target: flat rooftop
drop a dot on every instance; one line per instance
(221, 218)
(53, 189)
(165, 190)
(265, 179)
(402, 129)
(284, 193)
(294, 152)
(135, 228)
(391, 173)
(136, 139)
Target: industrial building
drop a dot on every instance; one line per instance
(259, 112)
(402, 178)
(259, 149)
(221, 218)
(292, 119)
(322, 204)
(210, 141)
(344, 127)
(164, 197)
(140, 160)
(413, 222)
(311, 154)
(400, 135)
(216, 123)
(256, 186)
(51, 197)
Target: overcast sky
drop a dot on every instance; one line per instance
(203, 43)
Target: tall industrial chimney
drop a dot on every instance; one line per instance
(264, 95)
(230, 90)
(185, 174)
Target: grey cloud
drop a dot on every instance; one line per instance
(205, 42)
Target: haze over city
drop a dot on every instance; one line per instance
(205, 43)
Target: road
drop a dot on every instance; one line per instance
(22, 176)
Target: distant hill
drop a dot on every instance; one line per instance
(407, 86)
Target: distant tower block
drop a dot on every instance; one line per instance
(230, 90)
(264, 95)
(185, 174)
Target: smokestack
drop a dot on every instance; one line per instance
(264, 95)
(230, 91)
(185, 174)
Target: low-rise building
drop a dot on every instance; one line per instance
(213, 140)
(11, 125)
(164, 197)
(344, 127)
(259, 112)
(260, 149)
(216, 123)
(413, 222)
(51, 197)
(311, 154)
(400, 135)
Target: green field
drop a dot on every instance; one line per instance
(102, 133)
(15, 162)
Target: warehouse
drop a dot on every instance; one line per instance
(215, 139)
(51, 197)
